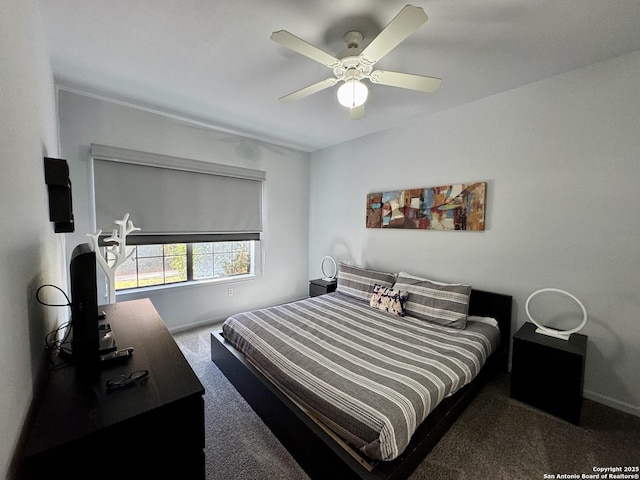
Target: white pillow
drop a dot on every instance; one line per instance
(488, 320)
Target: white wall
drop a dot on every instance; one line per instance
(31, 253)
(561, 160)
(85, 120)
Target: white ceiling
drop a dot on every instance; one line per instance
(213, 61)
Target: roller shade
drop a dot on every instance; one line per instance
(175, 198)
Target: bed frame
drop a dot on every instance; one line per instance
(319, 453)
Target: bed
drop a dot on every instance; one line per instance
(363, 382)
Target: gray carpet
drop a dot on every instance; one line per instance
(495, 438)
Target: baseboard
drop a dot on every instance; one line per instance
(218, 320)
(184, 328)
(613, 403)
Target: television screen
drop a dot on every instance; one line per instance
(84, 306)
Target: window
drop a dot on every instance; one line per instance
(198, 220)
(169, 196)
(185, 262)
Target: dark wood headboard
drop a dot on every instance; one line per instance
(498, 306)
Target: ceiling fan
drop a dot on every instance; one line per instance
(355, 64)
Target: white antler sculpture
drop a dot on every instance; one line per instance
(116, 254)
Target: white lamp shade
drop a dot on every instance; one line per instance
(352, 93)
(551, 332)
(328, 273)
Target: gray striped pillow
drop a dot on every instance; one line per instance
(442, 303)
(359, 282)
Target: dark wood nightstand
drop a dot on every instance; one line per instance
(548, 373)
(320, 287)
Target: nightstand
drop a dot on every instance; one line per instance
(320, 287)
(548, 373)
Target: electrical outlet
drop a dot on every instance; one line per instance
(230, 292)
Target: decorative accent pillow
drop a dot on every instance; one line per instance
(389, 300)
(359, 282)
(442, 303)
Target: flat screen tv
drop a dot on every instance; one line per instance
(84, 307)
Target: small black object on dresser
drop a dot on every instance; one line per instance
(320, 287)
(548, 373)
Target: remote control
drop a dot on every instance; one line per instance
(117, 355)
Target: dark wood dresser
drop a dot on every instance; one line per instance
(146, 430)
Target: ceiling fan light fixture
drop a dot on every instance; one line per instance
(352, 93)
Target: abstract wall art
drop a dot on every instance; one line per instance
(450, 207)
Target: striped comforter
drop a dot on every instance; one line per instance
(371, 376)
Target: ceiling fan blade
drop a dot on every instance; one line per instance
(296, 44)
(306, 91)
(356, 113)
(405, 80)
(403, 25)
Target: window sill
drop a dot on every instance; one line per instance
(123, 294)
